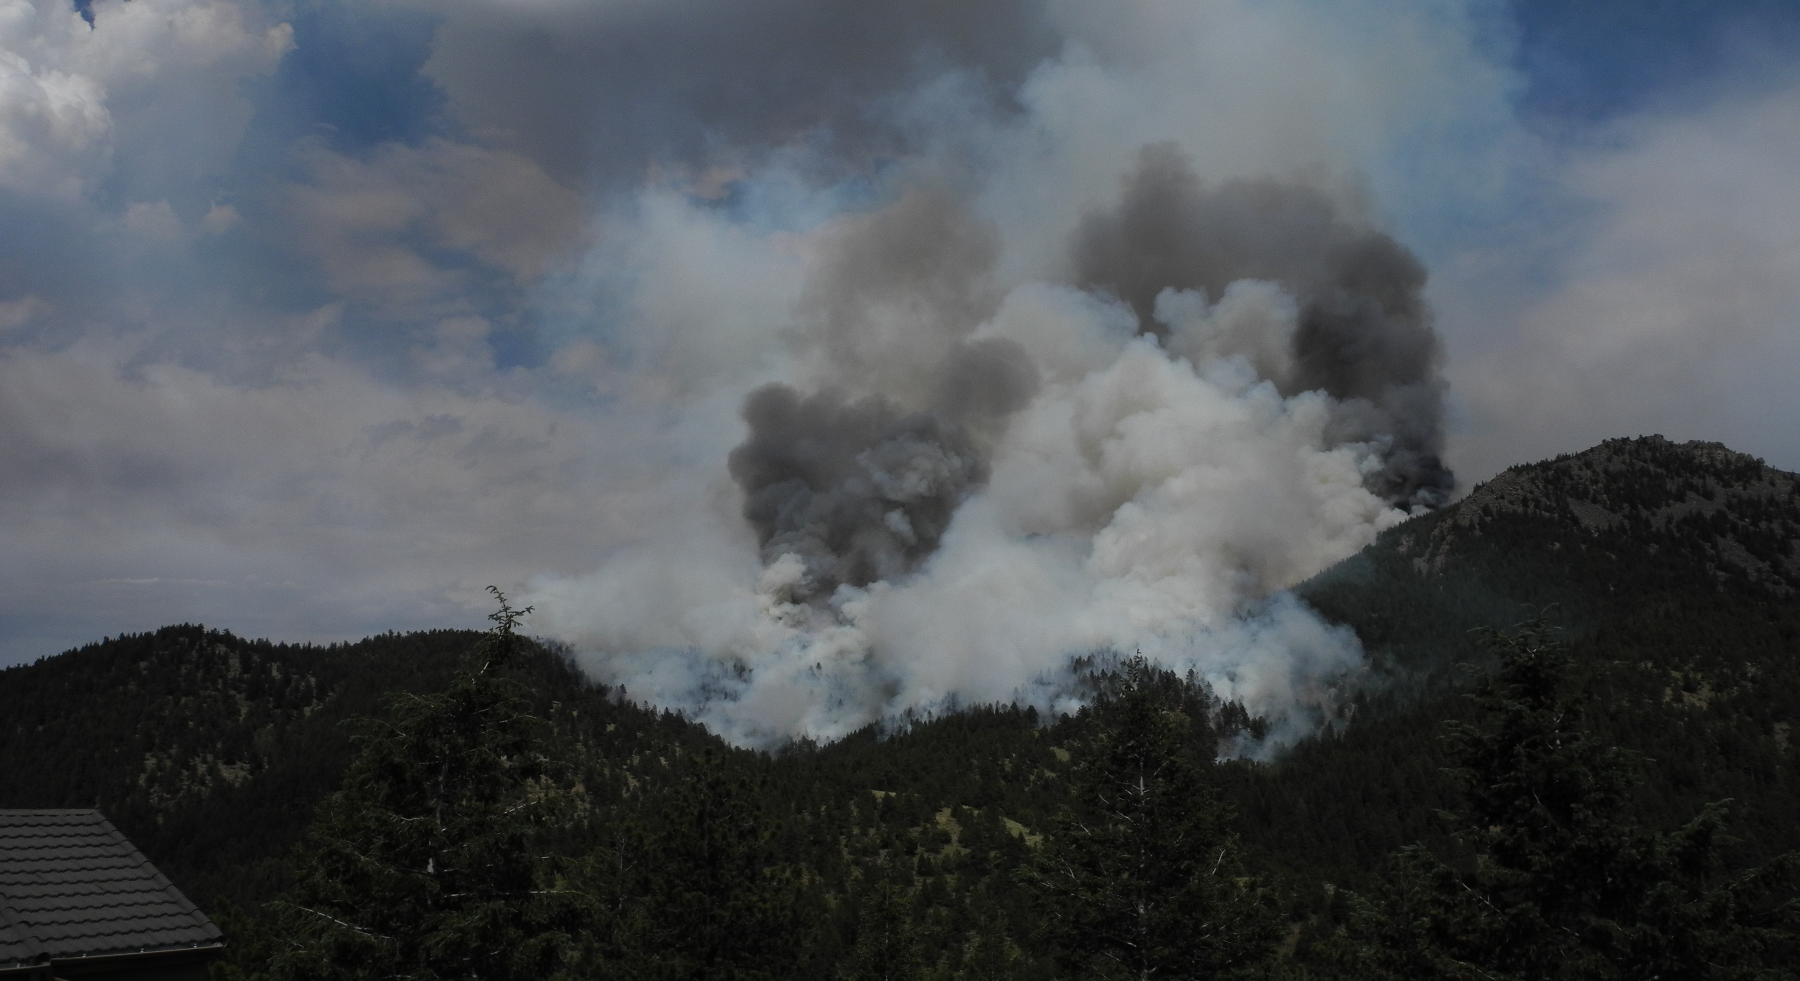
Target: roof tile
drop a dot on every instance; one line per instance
(71, 885)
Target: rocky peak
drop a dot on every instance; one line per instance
(1729, 510)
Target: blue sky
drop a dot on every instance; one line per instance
(1585, 62)
(317, 317)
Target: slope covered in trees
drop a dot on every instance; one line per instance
(1669, 570)
(209, 751)
(1645, 554)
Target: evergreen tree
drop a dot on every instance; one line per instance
(991, 954)
(429, 862)
(1141, 877)
(614, 871)
(1561, 886)
(887, 942)
(718, 908)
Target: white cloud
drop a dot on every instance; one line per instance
(320, 504)
(55, 130)
(1143, 499)
(150, 87)
(1663, 299)
(176, 445)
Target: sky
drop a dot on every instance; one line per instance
(317, 318)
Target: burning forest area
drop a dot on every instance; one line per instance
(1010, 490)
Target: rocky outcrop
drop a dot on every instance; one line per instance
(1730, 510)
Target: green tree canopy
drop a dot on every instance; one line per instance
(1560, 886)
(887, 944)
(428, 863)
(718, 907)
(1141, 877)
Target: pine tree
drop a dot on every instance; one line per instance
(429, 862)
(991, 954)
(718, 908)
(614, 871)
(887, 942)
(1561, 885)
(1141, 878)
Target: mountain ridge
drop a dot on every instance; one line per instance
(1647, 483)
(210, 750)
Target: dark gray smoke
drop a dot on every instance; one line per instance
(600, 91)
(898, 293)
(862, 487)
(982, 381)
(1364, 334)
(857, 489)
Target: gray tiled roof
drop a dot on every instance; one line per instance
(15, 947)
(72, 886)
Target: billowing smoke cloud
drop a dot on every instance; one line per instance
(813, 362)
(600, 91)
(863, 490)
(962, 484)
(822, 360)
(1362, 333)
(858, 492)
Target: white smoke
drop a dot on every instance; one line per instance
(312, 329)
(1147, 499)
(831, 358)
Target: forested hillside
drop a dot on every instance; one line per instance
(954, 847)
(209, 750)
(1672, 571)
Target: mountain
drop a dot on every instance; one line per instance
(1688, 507)
(1673, 571)
(209, 750)
(1607, 536)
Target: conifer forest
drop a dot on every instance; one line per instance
(1573, 761)
(899, 490)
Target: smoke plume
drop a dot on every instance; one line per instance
(862, 490)
(1024, 396)
(857, 491)
(1362, 334)
(810, 362)
(963, 484)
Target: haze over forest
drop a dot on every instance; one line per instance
(1610, 793)
(807, 364)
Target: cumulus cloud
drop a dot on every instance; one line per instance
(1659, 296)
(1106, 370)
(601, 92)
(49, 120)
(116, 141)
(154, 90)
(373, 225)
(815, 362)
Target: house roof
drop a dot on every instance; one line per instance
(72, 886)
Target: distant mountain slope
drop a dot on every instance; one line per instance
(209, 750)
(1672, 567)
(1599, 535)
(1673, 570)
(1689, 506)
